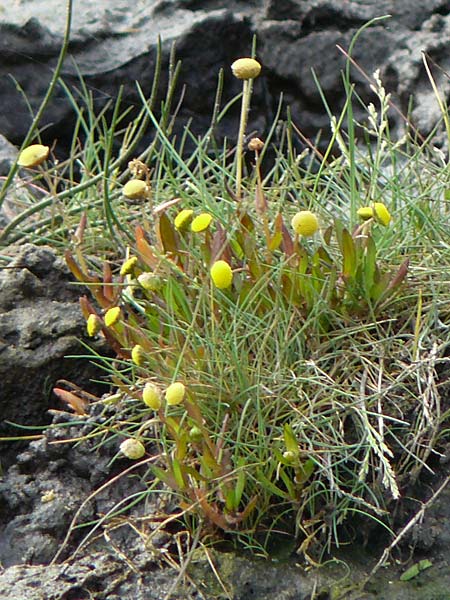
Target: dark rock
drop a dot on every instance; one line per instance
(115, 44)
(40, 324)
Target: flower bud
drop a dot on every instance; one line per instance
(113, 316)
(175, 393)
(305, 223)
(255, 145)
(246, 68)
(138, 355)
(151, 395)
(132, 449)
(382, 214)
(201, 222)
(134, 189)
(149, 281)
(93, 325)
(33, 156)
(195, 434)
(221, 274)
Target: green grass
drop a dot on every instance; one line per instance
(313, 381)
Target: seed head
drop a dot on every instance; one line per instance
(175, 393)
(132, 449)
(255, 145)
(221, 274)
(201, 222)
(246, 68)
(134, 189)
(305, 223)
(151, 395)
(33, 156)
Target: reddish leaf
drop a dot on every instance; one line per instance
(77, 404)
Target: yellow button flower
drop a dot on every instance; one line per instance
(33, 155)
(132, 449)
(381, 213)
(151, 395)
(305, 223)
(246, 68)
(183, 218)
(113, 316)
(128, 266)
(221, 274)
(201, 222)
(93, 325)
(365, 212)
(175, 393)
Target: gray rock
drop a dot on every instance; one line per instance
(8, 154)
(40, 324)
(114, 44)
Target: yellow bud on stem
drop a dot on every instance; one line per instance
(112, 316)
(33, 156)
(221, 274)
(175, 393)
(305, 223)
(151, 395)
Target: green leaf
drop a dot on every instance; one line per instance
(290, 441)
(167, 235)
(416, 569)
(177, 469)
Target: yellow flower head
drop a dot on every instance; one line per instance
(132, 449)
(135, 188)
(128, 266)
(32, 156)
(381, 213)
(221, 274)
(149, 281)
(151, 395)
(175, 393)
(246, 68)
(183, 218)
(93, 325)
(365, 212)
(201, 222)
(138, 355)
(113, 316)
(305, 223)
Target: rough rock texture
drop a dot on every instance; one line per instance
(40, 324)
(114, 44)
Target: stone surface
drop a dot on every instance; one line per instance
(40, 324)
(114, 44)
